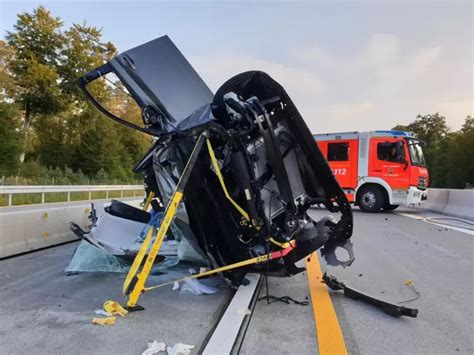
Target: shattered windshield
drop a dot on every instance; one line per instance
(416, 153)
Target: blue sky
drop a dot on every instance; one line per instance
(357, 65)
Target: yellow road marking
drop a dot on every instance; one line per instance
(328, 330)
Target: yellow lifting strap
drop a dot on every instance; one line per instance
(140, 278)
(259, 259)
(143, 275)
(150, 197)
(221, 180)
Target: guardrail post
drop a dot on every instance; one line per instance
(42, 197)
(9, 199)
(69, 196)
(90, 195)
(107, 194)
(121, 193)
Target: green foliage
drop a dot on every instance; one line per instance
(84, 52)
(10, 139)
(449, 155)
(45, 117)
(36, 42)
(460, 157)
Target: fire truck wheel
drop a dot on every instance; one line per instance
(390, 207)
(370, 199)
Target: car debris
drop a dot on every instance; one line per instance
(179, 349)
(235, 172)
(104, 321)
(389, 308)
(154, 348)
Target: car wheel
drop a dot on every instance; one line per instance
(370, 199)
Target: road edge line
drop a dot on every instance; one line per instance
(328, 331)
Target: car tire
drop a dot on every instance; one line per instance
(370, 199)
(390, 207)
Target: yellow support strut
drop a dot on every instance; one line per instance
(134, 284)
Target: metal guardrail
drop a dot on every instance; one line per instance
(44, 189)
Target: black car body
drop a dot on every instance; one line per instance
(272, 168)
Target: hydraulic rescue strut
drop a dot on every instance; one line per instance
(134, 284)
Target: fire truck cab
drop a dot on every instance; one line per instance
(377, 169)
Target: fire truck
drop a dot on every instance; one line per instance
(378, 169)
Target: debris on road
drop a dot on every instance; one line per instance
(179, 349)
(389, 308)
(154, 348)
(243, 312)
(114, 308)
(411, 285)
(104, 321)
(101, 312)
(197, 288)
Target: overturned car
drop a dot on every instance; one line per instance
(235, 171)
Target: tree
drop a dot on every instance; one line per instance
(83, 52)
(37, 41)
(10, 143)
(433, 130)
(7, 83)
(460, 157)
(40, 64)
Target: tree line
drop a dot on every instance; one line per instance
(49, 133)
(449, 155)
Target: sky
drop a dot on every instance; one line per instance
(347, 65)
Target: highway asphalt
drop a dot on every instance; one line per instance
(44, 311)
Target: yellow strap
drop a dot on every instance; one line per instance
(166, 222)
(281, 245)
(256, 260)
(138, 260)
(148, 200)
(221, 180)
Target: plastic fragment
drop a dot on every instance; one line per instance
(154, 348)
(179, 349)
(115, 308)
(197, 288)
(175, 286)
(104, 321)
(102, 312)
(411, 285)
(243, 312)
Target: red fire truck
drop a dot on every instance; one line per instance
(378, 169)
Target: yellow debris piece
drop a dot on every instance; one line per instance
(45, 215)
(408, 282)
(113, 307)
(104, 321)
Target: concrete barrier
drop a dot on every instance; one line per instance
(460, 204)
(27, 228)
(451, 202)
(437, 200)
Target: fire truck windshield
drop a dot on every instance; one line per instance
(416, 152)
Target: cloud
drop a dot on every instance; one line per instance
(216, 68)
(456, 110)
(376, 86)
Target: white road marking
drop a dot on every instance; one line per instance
(423, 218)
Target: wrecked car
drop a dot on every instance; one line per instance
(235, 171)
